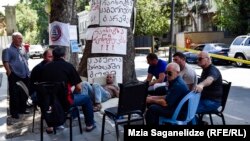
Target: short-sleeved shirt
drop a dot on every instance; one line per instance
(17, 61)
(61, 71)
(189, 75)
(213, 91)
(177, 89)
(157, 69)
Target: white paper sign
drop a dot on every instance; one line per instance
(74, 46)
(89, 33)
(100, 66)
(116, 12)
(109, 40)
(59, 34)
(94, 12)
(72, 32)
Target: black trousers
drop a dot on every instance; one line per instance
(17, 97)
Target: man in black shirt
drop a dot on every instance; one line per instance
(61, 71)
(210, 85)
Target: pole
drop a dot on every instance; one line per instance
(171, 31)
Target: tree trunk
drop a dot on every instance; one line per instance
(128, 72)
(65, 11)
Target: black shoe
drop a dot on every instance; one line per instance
(25, 112)
(15, 116)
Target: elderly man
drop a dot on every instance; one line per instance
(16, 66)
(102, 93)
(210, 84)
(166, 105)
(187, 72)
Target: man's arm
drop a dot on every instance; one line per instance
(7, 68)
(78, 88)
(114, 88)
(208, 81)
(149, 77)
(160, 80)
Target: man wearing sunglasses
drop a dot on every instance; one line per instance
(166, 105)
(210, 84)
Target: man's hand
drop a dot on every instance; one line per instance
(198, 88)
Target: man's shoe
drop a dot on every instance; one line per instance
(15, 116)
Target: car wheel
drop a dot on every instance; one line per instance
(239, 64)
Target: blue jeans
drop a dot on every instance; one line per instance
(101, 95)
(87, 107)
(206, 105)
(96, 92)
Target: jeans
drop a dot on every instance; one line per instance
(154, 112)
(87, 107)
(101, 95)
(96, 92)
(206, 105)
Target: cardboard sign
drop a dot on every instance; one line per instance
(116, 12)
(94, 12)
(111, 40)
(100, 66)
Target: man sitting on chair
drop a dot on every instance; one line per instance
(101, 93)
(166, 105)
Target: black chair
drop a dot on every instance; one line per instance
(58, 89)
(219, 112)
(132, 101)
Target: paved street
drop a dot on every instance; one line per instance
(236, 112)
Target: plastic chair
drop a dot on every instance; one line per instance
(132, 100)
(57, 88)
(219, 112)
(193, 101)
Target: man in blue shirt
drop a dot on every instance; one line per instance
(16, 66)
(166, 105)
(156, 69)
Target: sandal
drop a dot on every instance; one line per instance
(97, 107)
(90, 128)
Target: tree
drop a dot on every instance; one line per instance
(27, 22)
(65, 11)
(128, 74)
(152, 17)
(233, 16)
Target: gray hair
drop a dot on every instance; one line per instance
(16, 34)
(175, 66)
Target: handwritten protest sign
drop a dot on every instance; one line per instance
(94, 12)
(99, 66)
(109, 40)
(116, 12)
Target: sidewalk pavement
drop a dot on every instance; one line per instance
(63, 135)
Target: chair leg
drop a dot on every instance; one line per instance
(79, 121)
(117, 131)
(33, 122)
(211, 120)
(223, 119)
(41, 128)
(70, 128)
(103, 126)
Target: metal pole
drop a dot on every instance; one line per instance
(171, 31)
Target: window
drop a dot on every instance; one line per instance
(238, 41)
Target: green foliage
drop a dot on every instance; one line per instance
(27, 22)
(152, 17)
(233, 15)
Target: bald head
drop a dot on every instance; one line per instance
(204, 59)
(172, 71)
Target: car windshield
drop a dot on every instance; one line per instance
(221, 45)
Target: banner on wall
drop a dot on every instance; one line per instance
(59, 34)
(111, 40)
(117, 13)
(100, 66)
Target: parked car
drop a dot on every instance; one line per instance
(214, 48)
(240, 49)
(36, 51)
